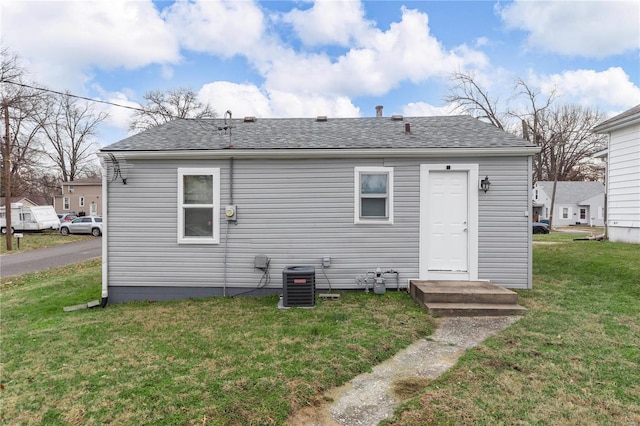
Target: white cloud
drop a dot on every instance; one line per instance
(407, 51)
(248, 100)
(330, 22)
(583, 28)
(287, 104)
(119, 110)
(423, 109)
(481, 41)
(241, 99)
(588, 87)
(225, 28)
(64, 39)
(120, 117)
(93, 36)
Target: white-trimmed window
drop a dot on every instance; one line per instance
(198, 206)
(81, 202)
(373, 195)
(565, 212)
(66, 203)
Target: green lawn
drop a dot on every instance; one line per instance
(573, 359)
(221, 361)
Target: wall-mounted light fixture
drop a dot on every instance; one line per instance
(485, 184)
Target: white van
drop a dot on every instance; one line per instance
(28, 218)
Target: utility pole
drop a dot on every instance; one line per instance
(7, 174)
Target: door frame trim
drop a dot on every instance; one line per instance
(472, 220)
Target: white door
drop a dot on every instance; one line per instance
(448, 228)
(93, 209)
(448, 223)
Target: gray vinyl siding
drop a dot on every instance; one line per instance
(295, 211)
(504, 228)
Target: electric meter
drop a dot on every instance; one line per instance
(230, 212)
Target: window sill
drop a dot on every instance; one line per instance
(195, 241)
(373, 222)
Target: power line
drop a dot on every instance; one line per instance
(42, 89)
(173, 117)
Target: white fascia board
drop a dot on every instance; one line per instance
(601, 154)
(618, 124)
(326, 153)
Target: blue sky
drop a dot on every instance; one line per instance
(334, 58)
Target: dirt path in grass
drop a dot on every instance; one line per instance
(372, 397)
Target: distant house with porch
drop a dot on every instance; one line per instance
(80, 196)
(576, 203)
(623, 175)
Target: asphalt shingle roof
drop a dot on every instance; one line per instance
(308, 133)
(572, 192)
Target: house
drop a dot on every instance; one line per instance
(623, 175)
(80, 196)
(576, 203)
(199, 208)
(18, 200)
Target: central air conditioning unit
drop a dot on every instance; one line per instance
(299, 286)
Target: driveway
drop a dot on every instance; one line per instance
(51, 257)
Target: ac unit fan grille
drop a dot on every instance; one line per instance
(299, 286)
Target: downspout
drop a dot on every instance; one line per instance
(606, 189)
(529, 211)
(105, 238)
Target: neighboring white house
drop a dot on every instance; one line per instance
(623, 175)
(577, 203)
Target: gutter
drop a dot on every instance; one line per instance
(212, 154)
(612, 125)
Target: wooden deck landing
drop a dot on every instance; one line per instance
(465, 298)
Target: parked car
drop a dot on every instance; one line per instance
(66, 217)
(540, 228)
(83, 225)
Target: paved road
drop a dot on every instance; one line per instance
(37, 260)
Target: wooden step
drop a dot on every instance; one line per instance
(465, 298)
(474, 309)
(463, 292)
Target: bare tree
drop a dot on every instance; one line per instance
(563, 132)
(162, 107)
(23, 104)
(69, 126)
(567, 141)
(467, 94)
(19, 104)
